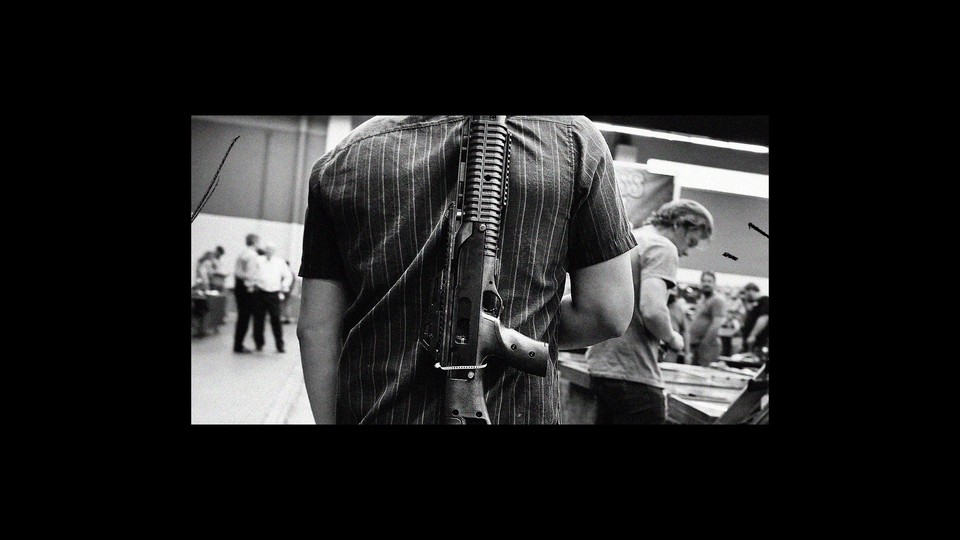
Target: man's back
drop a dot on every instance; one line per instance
(634, 355)
(246, 265)
(374, 222)
(273, 275)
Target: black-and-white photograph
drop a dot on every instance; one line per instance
(517, 270)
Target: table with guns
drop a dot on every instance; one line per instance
(733, 390)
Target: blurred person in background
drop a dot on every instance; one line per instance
(217, 275)
(201, 284)
(736, 312)
(243, 289)
(711, 312)
(756, 323)
(272, 280)
(206, 265)
(624, 371)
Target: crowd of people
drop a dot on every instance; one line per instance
(263, 286)
(729, 320)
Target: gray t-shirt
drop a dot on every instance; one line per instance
(633, 356)
(708, 310)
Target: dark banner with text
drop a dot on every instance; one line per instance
(642, 191)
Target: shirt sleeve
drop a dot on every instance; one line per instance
(763, 306)
(659, 261)
(321, 257)
(599, 229)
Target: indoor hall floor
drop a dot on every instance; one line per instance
(257, 388)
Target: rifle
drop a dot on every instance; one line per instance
(463, 330)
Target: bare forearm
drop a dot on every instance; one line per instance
(579, 328)
(657, 322)
(761, 324)
(320, 354)
(320, 331)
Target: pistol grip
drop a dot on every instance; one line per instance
(464, 402)
(517, 350)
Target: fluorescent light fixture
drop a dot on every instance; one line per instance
(711, 178)
(602, 126)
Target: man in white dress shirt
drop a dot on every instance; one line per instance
(243, 274)
(273, 281)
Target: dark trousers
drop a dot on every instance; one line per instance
(628, 402)
(268, 303)
(726, 345)
(245, 304)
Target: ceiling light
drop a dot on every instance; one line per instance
(602, 126)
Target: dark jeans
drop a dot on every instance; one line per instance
(627, 402)
(268, 303)
(726, 345)
(245, 304)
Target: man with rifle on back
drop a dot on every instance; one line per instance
(435, 255)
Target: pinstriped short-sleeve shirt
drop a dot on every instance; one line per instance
(374, 222)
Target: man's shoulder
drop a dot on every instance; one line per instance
(380, 125)
(649, 238)
(580, 125)
(567, 120)
(375, 127)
